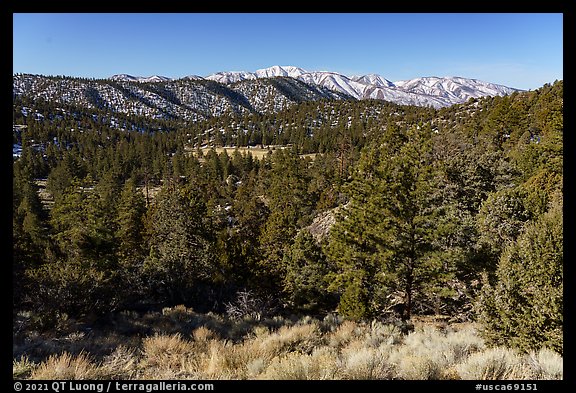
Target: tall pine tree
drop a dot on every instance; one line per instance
(385, 241)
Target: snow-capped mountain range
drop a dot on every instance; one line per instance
(130, 78)
(427, 91)
(190, 98)
(267, 90)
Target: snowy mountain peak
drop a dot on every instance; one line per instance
(155, 78)
(426, 91)
(270, 72)
(130, 78)
(193, 77)
(456, 89)
(124, 77)
(228, 77)
(373, 79)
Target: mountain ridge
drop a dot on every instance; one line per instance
(445, 91)
(266, 90)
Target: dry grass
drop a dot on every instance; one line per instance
(121, 364)
(213, 347)
(67, 366)
(546, 364)
(299, 338)
(492, 364)
(22, 368)
(164, 355)
(257, 152)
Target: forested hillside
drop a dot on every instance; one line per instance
(454, 212)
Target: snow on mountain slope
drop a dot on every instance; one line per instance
(124, 78)
(193, 77)
(265, 90)
(143, 79)
(373, 79)
(155, 78)
(271, 72)
(428, 91)
(186, 98)
(453, 89)
(228, 77)
(402, 97)
(334, 81)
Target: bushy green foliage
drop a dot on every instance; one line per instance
(71, 287)
(425, 200)
(130, 224)
(307, 271)
(387, 240)
(524, 307)
(181, 244)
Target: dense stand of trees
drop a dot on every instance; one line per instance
(456, 211)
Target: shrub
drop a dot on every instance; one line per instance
(380, 333)
(427, 353)
(492, 364)
(415, 367)
(359, 362)
(22, 368)
(66, 366)
(70, 287)
(546, 364)
(298, 338)
(317, 366)
(346, 332)
(166, 351)
(120, 364)
(247, 304)
(524, 308)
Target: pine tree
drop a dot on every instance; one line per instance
(67, 219)
(181, 244)
(29, 231)
(59, 179)
(385, 241)
(307, 270)
(243, 246)
(290, 206)
(500, 221)
(130, 224)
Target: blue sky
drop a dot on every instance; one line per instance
(518, 50)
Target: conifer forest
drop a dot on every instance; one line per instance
(331, 239)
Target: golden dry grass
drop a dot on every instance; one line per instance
(67, 366)
(256, 152)
(305, 349)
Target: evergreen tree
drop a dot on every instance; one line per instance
(524, 308)
(181, 245)
(307, 269)
(290, 206)
(243, 246)
(500, 221)
(130, 224)
(29, 231)
(385, 241)
(59, 179)
(67, 219)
